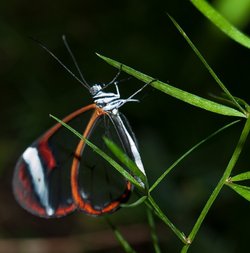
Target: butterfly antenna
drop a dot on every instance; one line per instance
(60, 62)
(114, 80)
(144, 86)
(74, 60)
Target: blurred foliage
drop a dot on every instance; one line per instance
(139, 34)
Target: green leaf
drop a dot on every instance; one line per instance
(136, 203)
(223, 24)
(156, 183)
(243, 191)
(224, 98)
(122, 157)
(154, 236)
(210, 70)
(123, 242)
(112, 162)
(152, 204)
(177, 93)
(241, 177)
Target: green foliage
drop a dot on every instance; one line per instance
(241, 177)
(123, 242)
(223, 24)
(242, 190)
(126, 161)
(175, 92)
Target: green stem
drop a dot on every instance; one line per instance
(154, 236)
(219, 186)
(123, 242)
(165, 219)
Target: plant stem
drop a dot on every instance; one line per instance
(165, 219)
(220, 184)
(154, 236)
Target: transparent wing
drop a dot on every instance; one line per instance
(58, 173)
(98, 187)
(41, 181)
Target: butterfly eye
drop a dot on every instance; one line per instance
(95, 89)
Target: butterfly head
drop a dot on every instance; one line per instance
(95, 89)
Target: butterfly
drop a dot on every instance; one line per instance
(58, 173)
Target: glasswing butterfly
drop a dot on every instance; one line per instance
(58, 173)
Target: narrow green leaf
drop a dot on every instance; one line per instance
(112, 162)
(223, 24)
(156, 183)
(224, 98)
(152, 204)
(210, 70)
(242, 190)
(154, 236)
(123, 242)
(136, 203)
(177, 93)
(125, 160)
(241, 177)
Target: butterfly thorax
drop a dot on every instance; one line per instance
(108, 101)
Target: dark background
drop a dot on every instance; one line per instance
(139, 34)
